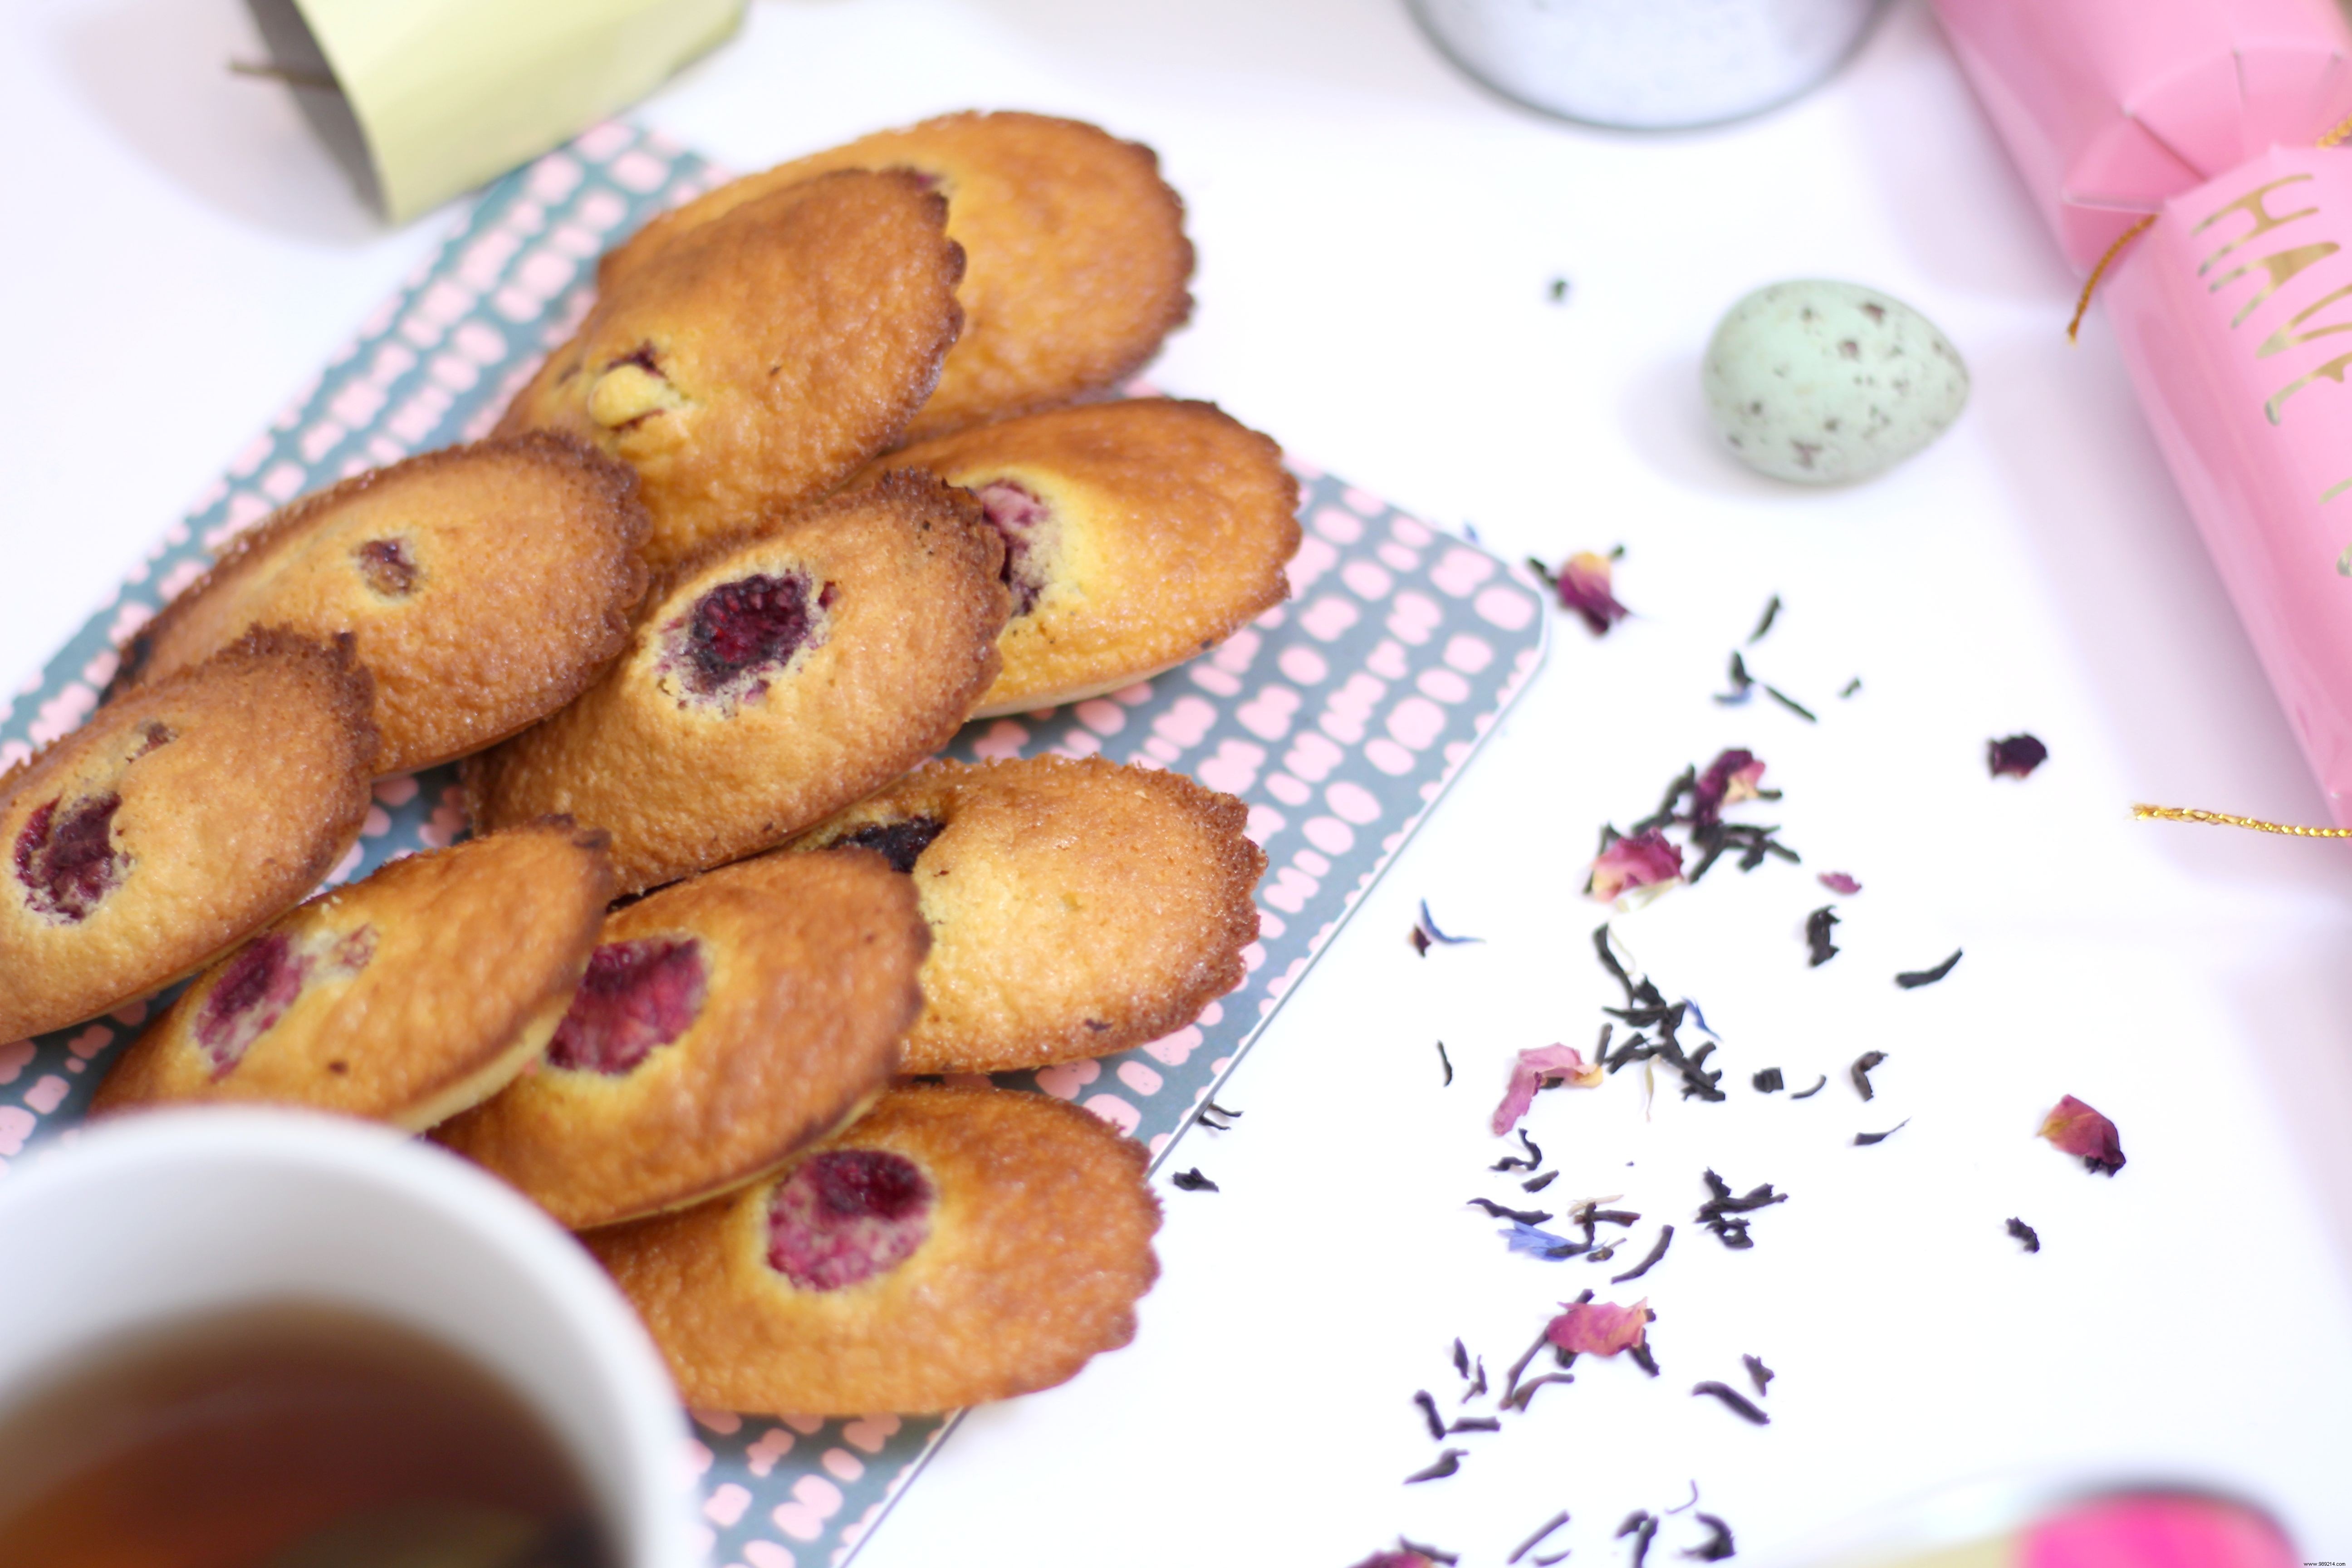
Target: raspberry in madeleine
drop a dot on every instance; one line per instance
(178, 820)
(1137, 534)
(403, 998)
(725, 1023)
(772, 683)
(483, 586)
(954, 1246)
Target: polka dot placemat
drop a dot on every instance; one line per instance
(1340, 718)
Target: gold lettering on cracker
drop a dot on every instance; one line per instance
(2251, 203)
(2331, 370)
(2287, 337)
(2282, 266)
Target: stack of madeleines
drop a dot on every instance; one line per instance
(832, 465)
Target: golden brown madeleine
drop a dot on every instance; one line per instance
(724, 1025)
(1137, 535)
(957, 1245)
(1078, 259)
(756, 363)
(485, 586)
(403, 998)
(1076, 907)
(179, 819)
(772, 683)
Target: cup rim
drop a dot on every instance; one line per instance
(659, 1519)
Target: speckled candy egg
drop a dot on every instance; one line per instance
(1821, 383)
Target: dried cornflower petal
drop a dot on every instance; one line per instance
(2076, 1129)
(1425, 932)
(1840, 883)
(1553, 1064)
(2017, 756)
(1584, 585)
(1646, 859)
(1600, 1328)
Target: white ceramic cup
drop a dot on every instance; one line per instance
(175, 1215)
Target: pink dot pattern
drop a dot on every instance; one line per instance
(1340, 719)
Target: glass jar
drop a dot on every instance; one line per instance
(1648, 65)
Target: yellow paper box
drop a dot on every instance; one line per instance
(446, 94)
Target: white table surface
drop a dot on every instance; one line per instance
(1376, 236)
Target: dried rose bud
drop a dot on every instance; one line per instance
(1582, 584)
(2016, 756)
(2076, 1129)
(1839, 882)
(1729, 778)
(1554, 1063)
(1643, 861)
(1600, 1328)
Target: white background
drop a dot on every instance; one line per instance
(1376, 239)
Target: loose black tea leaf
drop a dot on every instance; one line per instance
(1216, 1118)
(1446, 1062)
(1538, 1183)
(1865, 1139)
(2017, 756)
(1758, 1373)
(1718, 1546)
(1771, 614)
(1642, 1528)
(1534, 1160)
(1511, 1380)
(1474, 1424)
(1445, 1464)
(1861, 1070)
(1818, 926)
(1809, 1094)
(1532, 1542)
(1547, 1562)
(1790, 703)
(1558, 293)
(1432, 1552)
(1742, 683)
(1665, 1236)
(1477, 1384)
(1420, 940)
(1851, 687)
(1525, 1217)
(1640, 1357)
(1526, 1392)
(1768, 1081)
(1429, 1413)
(1914, 979)
(1461, 1359)
(1735, 1401)
(1191, 1181)
(1687, 1507)
(2026, 1234)
(1723, 1214)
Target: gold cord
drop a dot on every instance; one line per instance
(2083, 304)
(2224, 819)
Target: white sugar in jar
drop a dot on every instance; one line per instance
(1648, 65)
